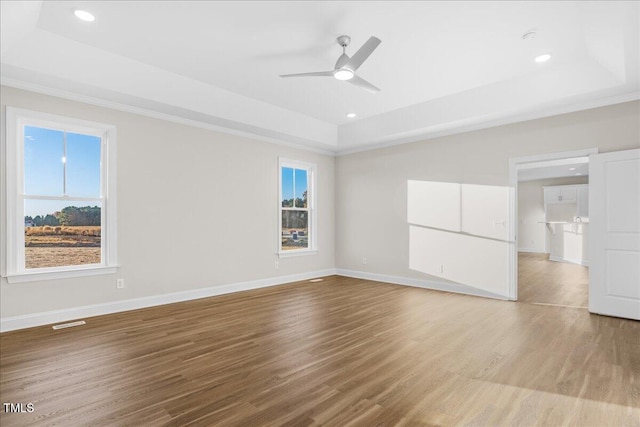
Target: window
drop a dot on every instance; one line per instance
(60, 205)
(297, 219)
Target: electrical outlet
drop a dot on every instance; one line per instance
(277, 265)
(364, 261)
(119, 283)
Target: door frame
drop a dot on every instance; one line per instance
(515, 164)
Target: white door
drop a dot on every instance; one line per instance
(614, 219)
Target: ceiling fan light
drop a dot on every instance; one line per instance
(84, 15)
(542, 58)
(343, 74)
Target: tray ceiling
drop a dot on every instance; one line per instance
(443, 67)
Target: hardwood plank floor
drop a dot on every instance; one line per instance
(548, 282)
(336, 353)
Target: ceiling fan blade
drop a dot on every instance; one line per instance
(319, 73)
(363, 53)
(360, 82)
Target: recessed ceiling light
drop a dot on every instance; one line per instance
(542, 58)
(572, 169)
(528, 35)
(578, 174)
(343, 74)
(84, 15)
(351, 115)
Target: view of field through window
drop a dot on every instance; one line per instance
(70, 236)
(295, 209)
(59, 167)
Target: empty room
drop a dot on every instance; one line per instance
(319, 213)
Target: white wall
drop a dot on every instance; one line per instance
(196, 208)
(531, 233)
(371, 191)
(450, 224)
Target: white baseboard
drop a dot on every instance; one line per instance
(420, 283)
(571, 261)
(56, 316)
(532, 250)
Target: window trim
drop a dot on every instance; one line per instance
(311, 169)
(13, 260)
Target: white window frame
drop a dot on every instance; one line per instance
(311, 206)
(13, 261)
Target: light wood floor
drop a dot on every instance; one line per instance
(336, 353)
(548, 282)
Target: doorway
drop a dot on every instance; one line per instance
(549, 213)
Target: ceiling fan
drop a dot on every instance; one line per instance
(346, 66)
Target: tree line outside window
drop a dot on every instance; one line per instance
(69, 216)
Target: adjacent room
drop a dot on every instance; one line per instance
(312, 213)
(553, 225)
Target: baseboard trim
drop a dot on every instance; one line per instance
(420, 283)
(49, 317)
(532, 251)
(570, 261)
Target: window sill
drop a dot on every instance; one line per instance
(290, 254)
(63, 274)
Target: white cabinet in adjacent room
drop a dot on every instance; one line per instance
(567, 218)
(583, 201)
(560, 194)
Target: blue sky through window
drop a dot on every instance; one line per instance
(287, 183)
(43, 168)
(288, 175)
(44, 156)
(301, 183)
(83, 165)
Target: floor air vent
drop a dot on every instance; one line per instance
(316, 280)
(69, 325)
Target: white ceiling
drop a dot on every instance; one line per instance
(564, 168)
(443, 67)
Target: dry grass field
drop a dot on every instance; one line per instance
(50, 246)
(56, 257)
